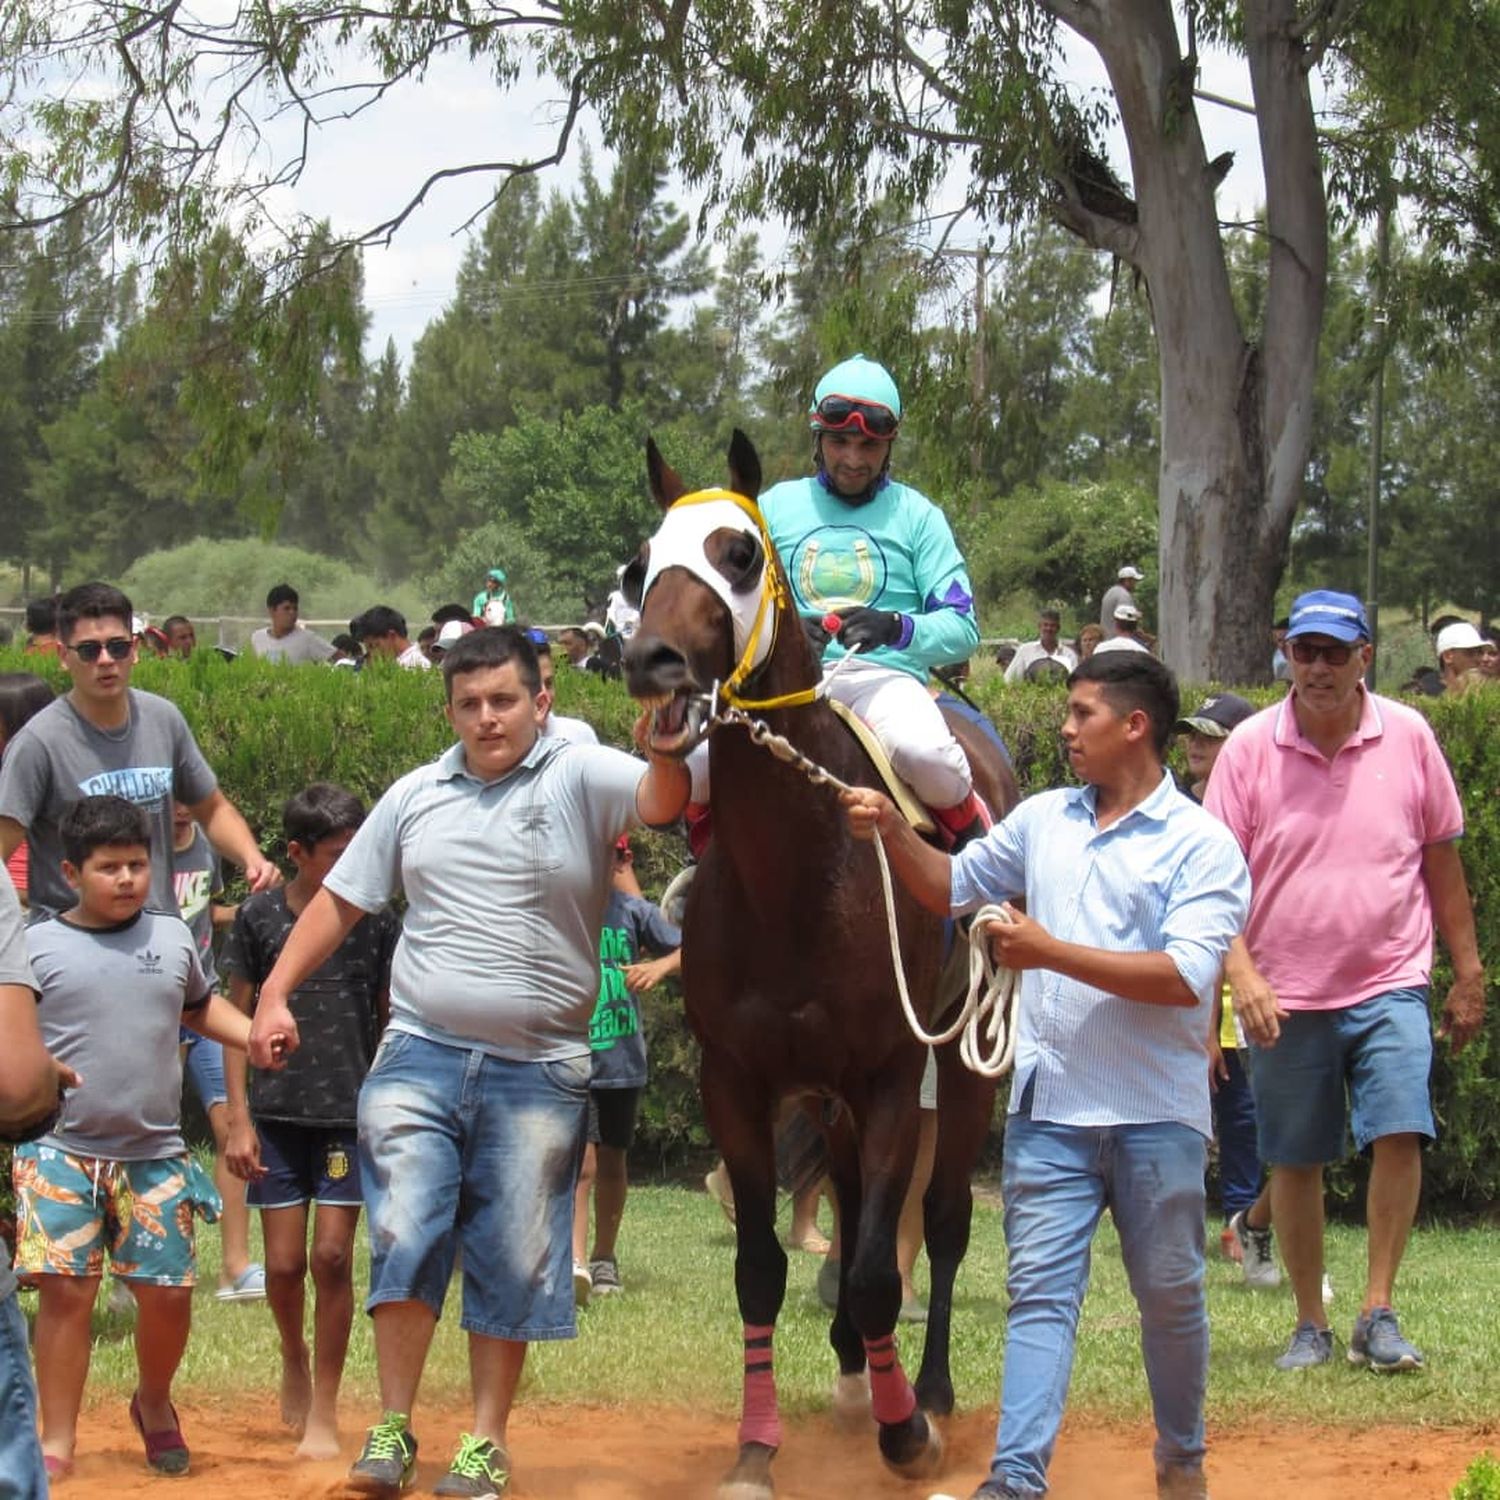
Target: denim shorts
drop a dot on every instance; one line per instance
(22, 1475)
(1364, 1064)
(462, 1150)
(204, 1066)
(70, 1210)
(306, 1164)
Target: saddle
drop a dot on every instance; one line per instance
(896, 789)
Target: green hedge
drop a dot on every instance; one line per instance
(270, 730)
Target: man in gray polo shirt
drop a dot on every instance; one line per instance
(29, 1083)
(471, 1121)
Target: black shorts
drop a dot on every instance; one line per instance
(612, 1114)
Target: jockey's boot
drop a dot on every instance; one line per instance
(964, 822)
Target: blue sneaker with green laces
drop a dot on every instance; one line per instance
(388, 1462)
(480, 1469)
(1377, 1343)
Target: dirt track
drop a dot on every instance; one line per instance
(639, 1453)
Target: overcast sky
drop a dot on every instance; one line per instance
(363, 171)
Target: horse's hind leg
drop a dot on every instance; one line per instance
(740, 1122)
(909, 1443)
(966, 1103)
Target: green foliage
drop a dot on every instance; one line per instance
(269, 731)
(1063, 542)
(1481, 1479)
(205, 578)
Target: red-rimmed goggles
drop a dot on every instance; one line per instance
(840, 413)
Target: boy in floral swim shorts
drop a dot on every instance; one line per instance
(113, 1175)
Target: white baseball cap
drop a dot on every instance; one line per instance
(1128, 571)
(1128, 613)
(1460, 636)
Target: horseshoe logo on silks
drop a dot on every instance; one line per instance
(838, 567)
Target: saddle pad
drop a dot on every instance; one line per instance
(899, 792)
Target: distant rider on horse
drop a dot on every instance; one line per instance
(881, 556)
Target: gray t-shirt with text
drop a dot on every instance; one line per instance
(506, 883)
(112, 999)
(59, 758)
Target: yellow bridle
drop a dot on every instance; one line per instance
(774, 595)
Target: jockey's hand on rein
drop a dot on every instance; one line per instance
(873, 627)
(817, 633)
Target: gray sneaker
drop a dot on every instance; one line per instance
(1310, 1346)
(1377, 1343)
(606, 1274)
(1178, 1483)
(388, 1462)
(1258, 1258)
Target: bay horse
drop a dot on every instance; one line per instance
(787, 975)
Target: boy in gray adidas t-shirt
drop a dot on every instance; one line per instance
(113, 1174)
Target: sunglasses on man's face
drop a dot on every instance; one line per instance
(118, 647)
(1306, 653)
(838, 413)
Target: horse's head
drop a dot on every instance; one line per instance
(709, 591)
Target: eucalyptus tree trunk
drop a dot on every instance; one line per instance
(1235, 414)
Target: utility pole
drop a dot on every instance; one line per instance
(1377, 431)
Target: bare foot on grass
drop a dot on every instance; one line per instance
(296, 1393)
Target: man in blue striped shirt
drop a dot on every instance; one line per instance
(1133, 894)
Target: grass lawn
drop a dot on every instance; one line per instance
(673, 1337)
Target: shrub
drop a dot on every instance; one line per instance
(1481, 1480)
(270, 730)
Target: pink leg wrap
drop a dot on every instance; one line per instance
(760, 1421)
(891, 1396)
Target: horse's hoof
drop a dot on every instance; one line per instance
(935, 1397)
(851, 1401)
(914, 1449)
(750, 1478)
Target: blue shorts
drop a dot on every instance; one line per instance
(22, 1475)
(306, 1164)
(461, 1149)
(204, 1066)
(71, 1210)
(1364, 1064)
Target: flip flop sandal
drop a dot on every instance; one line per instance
(167, 1451)
(57, 1468)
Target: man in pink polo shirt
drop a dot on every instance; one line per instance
(1348, 818)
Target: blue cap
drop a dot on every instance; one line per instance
(498, 574)
(1323, 612)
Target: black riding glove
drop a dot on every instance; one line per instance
(874, 627)
(817, 633)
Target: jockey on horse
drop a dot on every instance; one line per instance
(880, 556)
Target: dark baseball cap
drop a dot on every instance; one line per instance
(1216, 716)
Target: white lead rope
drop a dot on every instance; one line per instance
(987, 1018)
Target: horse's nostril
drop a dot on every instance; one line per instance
(652, 664)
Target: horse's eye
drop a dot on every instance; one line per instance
(634, 576)
(739, 558)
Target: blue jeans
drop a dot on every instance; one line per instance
(1234, 1120)
(461, 1149)
(22, 1476)
(1057, 1182)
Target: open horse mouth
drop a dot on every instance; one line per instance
(678, 721)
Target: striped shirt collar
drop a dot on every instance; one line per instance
(1156, 808)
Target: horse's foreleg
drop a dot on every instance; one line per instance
(966, 1102)
(908, 1442)
(742, 1131)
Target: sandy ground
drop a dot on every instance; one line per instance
(642, 1453)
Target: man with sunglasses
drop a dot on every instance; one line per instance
(104, 736)
(1349, 819)
(880, 555)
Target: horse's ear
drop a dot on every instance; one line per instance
(666, 483)
(744, 466)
